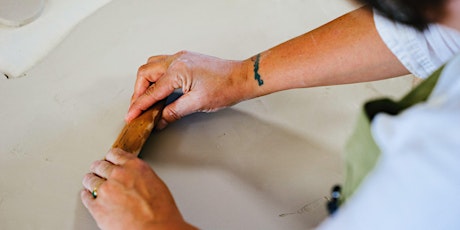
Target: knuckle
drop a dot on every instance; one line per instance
(157, 58)
(94, 166)
(180, 57)
(118, 155)
(179, 64)
(136, 163)
(86, 179)
(148, 70)
(117, 172)
(122, 176)
(105, 188)
(182, 53)
(140, 163)
(103, 168)
(142, 166)
(152, 58)
(150, 91)
(141, 71)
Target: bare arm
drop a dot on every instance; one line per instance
(346, 50)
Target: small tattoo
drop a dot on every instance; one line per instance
(256, 71)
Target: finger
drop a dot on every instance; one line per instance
(89, 202)
(156, 92)
(87, 199)
(91, 181)
(148, 74)
(140, 87)
(118, 156)
(155, 67)
(102, 168)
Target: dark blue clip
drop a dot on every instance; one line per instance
(334, 203)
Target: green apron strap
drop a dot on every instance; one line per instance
(417, 95)
(361, 152)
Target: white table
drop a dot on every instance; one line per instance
(235, 169)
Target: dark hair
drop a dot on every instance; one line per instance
(417, 13)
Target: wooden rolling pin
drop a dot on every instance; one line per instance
(134, 134)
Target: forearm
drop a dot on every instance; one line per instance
(346, 50)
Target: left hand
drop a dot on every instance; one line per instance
(129, 195)
(208, 84)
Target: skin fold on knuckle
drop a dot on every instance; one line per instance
(150, 96)
(96, 181)
(102, 168)
(171, 115)
(151, 91)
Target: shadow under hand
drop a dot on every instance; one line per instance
(268, 159)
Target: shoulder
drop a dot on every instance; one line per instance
(420, 52)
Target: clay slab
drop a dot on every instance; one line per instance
(239, 168)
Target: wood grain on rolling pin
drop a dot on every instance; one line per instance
(134, 134)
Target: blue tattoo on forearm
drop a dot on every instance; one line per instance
(256, 71)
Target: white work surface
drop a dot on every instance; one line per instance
(238, 168)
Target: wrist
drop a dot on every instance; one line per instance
(253, 84)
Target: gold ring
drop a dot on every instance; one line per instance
(94, 193)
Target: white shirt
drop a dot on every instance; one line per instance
(416, 181)
(421, 53)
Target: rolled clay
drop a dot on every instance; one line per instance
(134, 134)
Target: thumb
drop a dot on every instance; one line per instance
(180, 108)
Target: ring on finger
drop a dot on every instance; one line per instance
(94, 192)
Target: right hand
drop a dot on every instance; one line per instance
(208, 84)
(130, 195)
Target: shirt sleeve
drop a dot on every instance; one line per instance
(420, 52)
(415, 183)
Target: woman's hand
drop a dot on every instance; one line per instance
(208, 84)
(129, 195)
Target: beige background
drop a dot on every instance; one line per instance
(235, 169)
